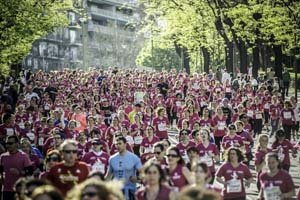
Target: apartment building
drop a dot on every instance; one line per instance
(106, 37)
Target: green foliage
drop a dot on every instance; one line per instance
(24, 21)
(192, 23)
(158, 56)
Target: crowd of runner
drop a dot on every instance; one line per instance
(129, 134)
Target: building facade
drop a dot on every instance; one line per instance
(106, 37)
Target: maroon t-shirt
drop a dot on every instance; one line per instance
(287, 116)
(283, 150)
(147, 144)
(229, 141)
(97, 161)
(64, 177)
(234, 178)
(163, 194)
(177, 179)
(161, 127)
(19, 161)
(281, 180)
(205, 152)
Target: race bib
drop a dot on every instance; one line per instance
(258, 116)
(31, 136)
(267, 106)
(207, 160)
(272, 193)
(99, 167)
(46, 107)
(287, 115)
(41, 141)
(162, 127)
(221, 126)
(21, 125)
(250, 113)
(138, 139)
(234, 186)
(178, 103)
(9, 131)
(148, 149)
(227, 90)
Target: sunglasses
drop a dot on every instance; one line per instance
(89, 194)
(172, 155)
(152, 172)
(157, 152)
(9, 143)
(53, 159)
(96, 143)
(70, 151)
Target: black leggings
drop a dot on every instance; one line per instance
(288, 130)
(218, 141)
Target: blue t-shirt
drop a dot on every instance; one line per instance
(123, 167)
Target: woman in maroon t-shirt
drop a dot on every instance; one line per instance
(259, 158)
(276, 183)
(178, 174)
(153, 184)
(232, 174)
(287, 119)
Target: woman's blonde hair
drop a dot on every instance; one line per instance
(104, 189)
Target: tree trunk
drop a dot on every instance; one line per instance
(229, 56)
(186, 61)
(183, 54)
(206, 57)
(278, 61)
(268, 55)
(255, 63)
(243, 56)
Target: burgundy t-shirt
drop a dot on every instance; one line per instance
(64, 177)
(97, 161)
(228, 141)
(163, 194)
(287, 116)
(161, 127)
(19, 160)
(206, 151)
(282, 180)
(232, 174)
(177, 179)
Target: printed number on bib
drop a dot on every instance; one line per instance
(162, 127)
(98, 166)
(272, 193)
(138, 139)
(234, 186)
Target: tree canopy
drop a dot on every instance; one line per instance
(24, 21)
(262, 32)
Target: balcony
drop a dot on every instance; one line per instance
(131, 3)
(112, 31)
(109, 14)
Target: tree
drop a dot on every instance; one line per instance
(22, 22)
(158, 56)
